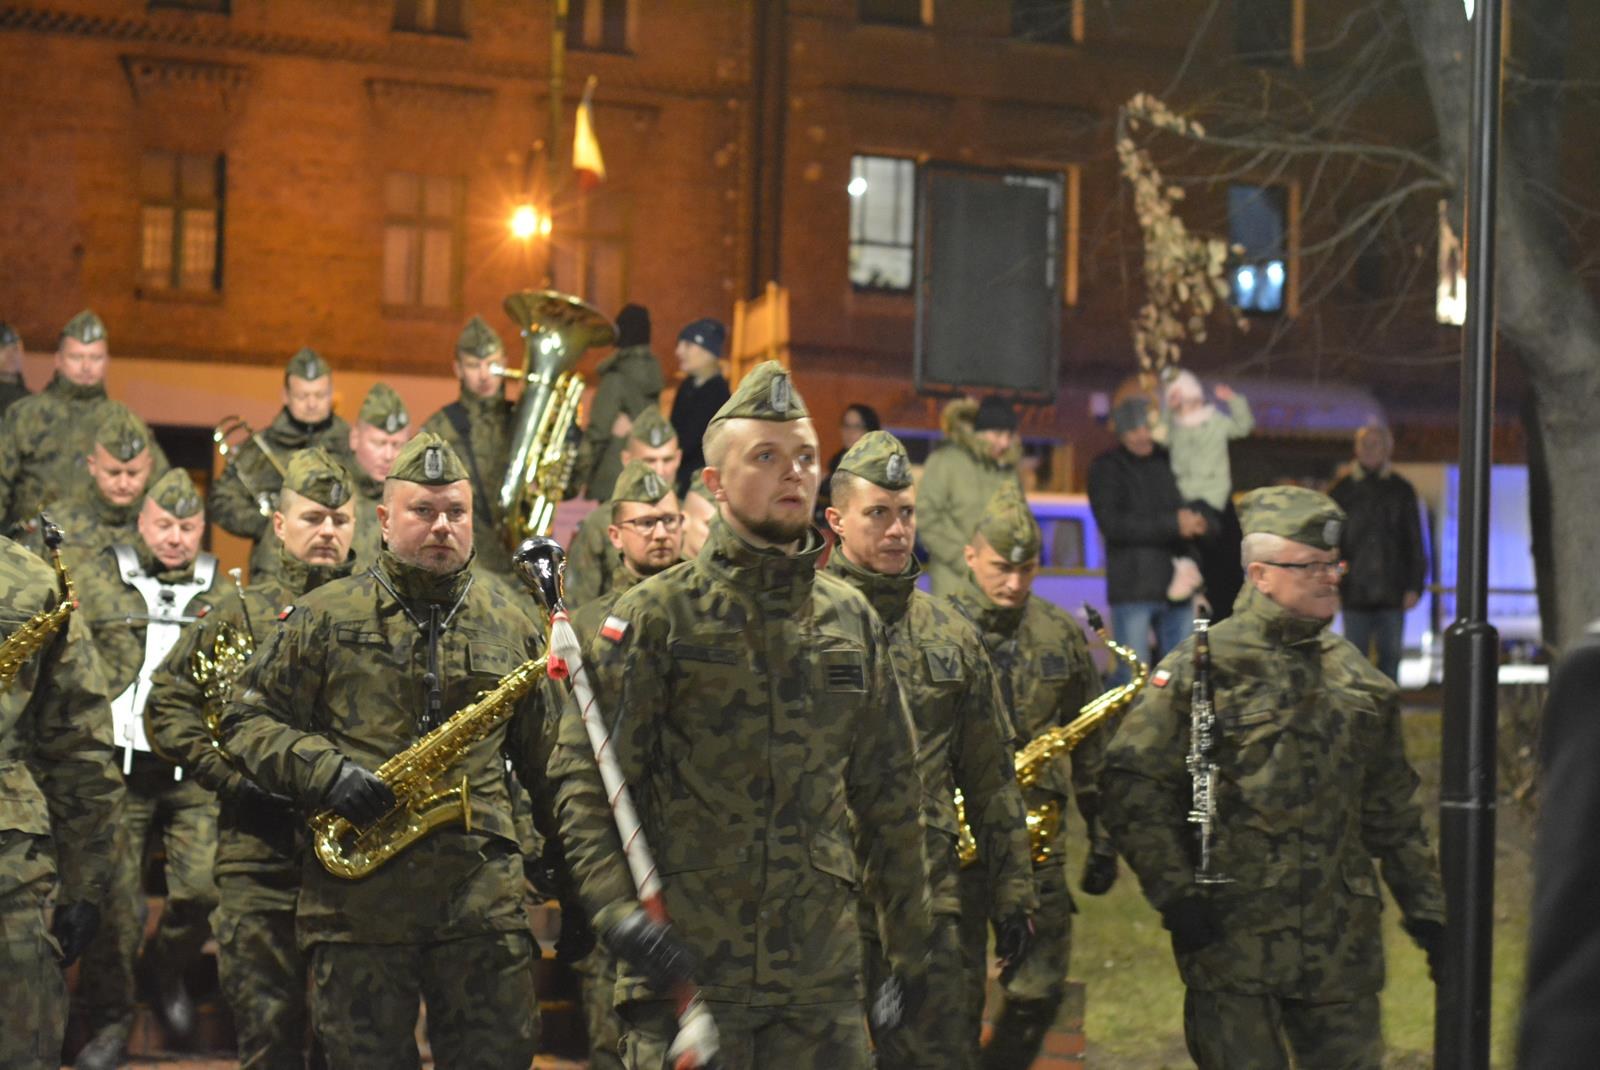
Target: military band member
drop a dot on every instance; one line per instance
(246, 495)
(381, 431)
(1312, 786)
(1046, 676)
(592, 559)
(12, 387)
(120, 461)
(358, 670)
(963, 735)
(628, 383)
(477, 426)
(59, 797)
(260, 836)
(758, 723)
(138, 600)
(699, 510)
(44, 437)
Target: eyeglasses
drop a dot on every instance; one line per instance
(1331, 569)
(644, 525)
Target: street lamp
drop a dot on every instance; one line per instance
(526, 222)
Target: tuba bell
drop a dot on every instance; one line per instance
(556, 329)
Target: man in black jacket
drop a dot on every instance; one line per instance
(1382, 543)
(1145, 527)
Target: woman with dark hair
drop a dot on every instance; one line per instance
(858, 419)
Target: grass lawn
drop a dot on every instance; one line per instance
(1134, 1015)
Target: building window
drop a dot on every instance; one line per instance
(883, 202)
(598, 25)
(1258, 224)
(445, 17)
(218, 7)
(180, 220)
(897, 12)
(1268, 32)
(422, 239)
(1056, 22)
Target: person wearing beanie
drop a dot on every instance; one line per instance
(45, 436)
(979, 455)
(700, 394)
(1281, 944)
(627, 383)
(139, 599)
(12, 387)
(247, 492)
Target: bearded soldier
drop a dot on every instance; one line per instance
(756, 718)
(246, 495)
(1311, 784)
(380, 433)
(358, 671)
(138, 599)
(629, 383)
(963, 735)
(12, 388)
(59, 796)
(44, 437)
(592, 559)
(477, 427)
(260, 836)
(1046, 676)
(120, 461)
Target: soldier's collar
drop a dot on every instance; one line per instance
(61, 386)
(287, 429)
(757, 568)
(116, 516)
(889, 595)
(990, 618)
(298, 577)
(417, 586)
(151, 566)
(480, 405)
(1275, 623)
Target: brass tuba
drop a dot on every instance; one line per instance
(37, 631)
(1044, 820)
(556, 329)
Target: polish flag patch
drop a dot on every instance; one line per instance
(1161, 678)
(285, 613)
(614, 629)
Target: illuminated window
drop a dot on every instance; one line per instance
(1057, 22)
(180, 222)
(446, 17)
(1258, 223)
(883, 202)
(897, 12)
(598, 25)
(422, 238)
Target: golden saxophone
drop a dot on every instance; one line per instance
(1044, 820)
(38, 630)
(424, 798)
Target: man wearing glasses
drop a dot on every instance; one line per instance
(1285, 953)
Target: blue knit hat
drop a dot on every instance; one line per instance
(709, 334)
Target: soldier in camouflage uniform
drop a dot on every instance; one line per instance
(477, 427)
(12, 388)
(758, 723)
(699, 510)
(119, 463)
(1046, 676)
(591, 559)
(629, 382)
(260, 836)
(246, 494)
(963, 735)
(381, 431)
(59, 797)
(1313, 784)
(358, 670)
(45, 437)
(138, 599)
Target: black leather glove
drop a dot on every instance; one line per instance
(358, 796)
(73, 927)
(1193, 924)
(652, 948)
(1429, 936)
(1013, 939)
(1099, 871)
(577, 937)
(896, 1002)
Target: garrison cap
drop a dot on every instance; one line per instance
(8, 335)
(880, 459)
(86, 327)
(122, 433)
(1008, 525)
(764, 394)
(652, 428)
(384, 409)
(1295, 513)
(175, 492)
(697, 485)
(639, 483)
(478, 339)
(307, 364)
(428, 459)
(316, 474)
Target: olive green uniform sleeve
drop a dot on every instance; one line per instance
(1391, 824)
(986, 775)
(174, 716)
(1088, 757)
(231, 504)
(587, 570)
(10, 466)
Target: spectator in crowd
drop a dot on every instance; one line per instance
(979, 455)
(857, 420)
(1146, 527)
(702, 392)
(1383, 545)
(626, 383)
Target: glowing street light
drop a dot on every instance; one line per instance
(526, 222)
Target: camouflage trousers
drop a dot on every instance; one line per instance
(263, 973)
(483, 1013)
(33, 992)
(185, 815)
(936, 1038)
(1034, 995)
(1231, 1032)
(599, 972)
(829, 1036)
